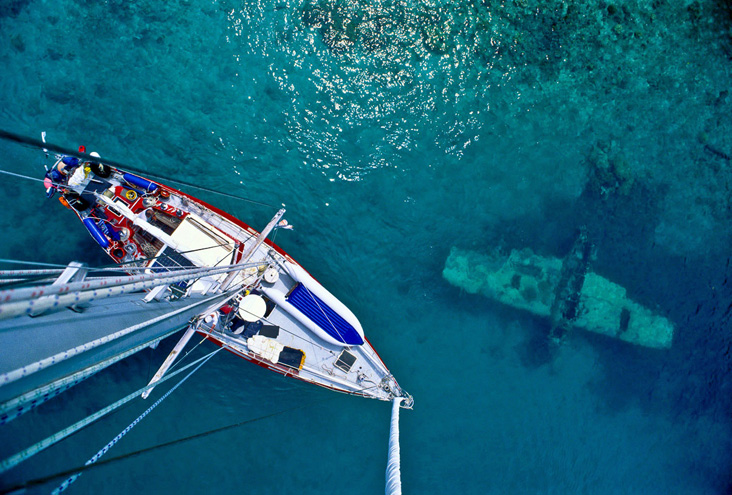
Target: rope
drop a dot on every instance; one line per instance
(155, 277)
(87, 467)
(21, 176)
(122, 266)
(15, 302)
(28, 279)
(124, 432)
(393, 466)
(34, 263)
(35, 143)
(17, 406)
(8, 283)
(36, 179)
(16, 459)
(28, 273)
(182, 359)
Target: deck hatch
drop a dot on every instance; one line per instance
(345, 361)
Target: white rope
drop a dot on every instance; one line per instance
(21, 176)
(393, 469)
(34, 263)
(124, 432)
(24, 403)
(15, 295)
(29, 273)
(16, 459)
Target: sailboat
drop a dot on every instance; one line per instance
(180, 263)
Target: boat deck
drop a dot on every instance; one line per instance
(299, 329)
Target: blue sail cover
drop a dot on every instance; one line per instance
(323, 315)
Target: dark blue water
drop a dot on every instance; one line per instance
(393, 131)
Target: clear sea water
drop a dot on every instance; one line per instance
(393, 130)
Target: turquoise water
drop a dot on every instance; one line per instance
(393, 131)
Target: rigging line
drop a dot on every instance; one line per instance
(29, 400)
(103, 287)
(28, 273)
(145, 260)
(21, 176)
(122, 267)
(116, 439)
(196, 279)
(195, 321)
(85, 468)
(183, 358)
(35, 143)
(16, 459)
(8, 284)
(36, 263)
(149, 360)
(11, 282)
(36, 179)
(17, 374)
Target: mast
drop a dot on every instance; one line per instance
(253, 248)
(224, 286)
(114, 321)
